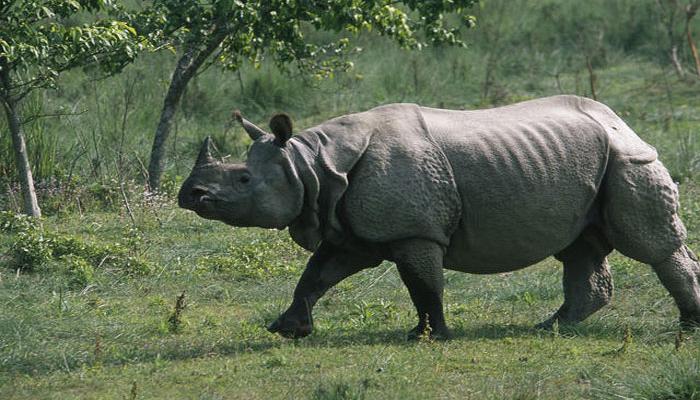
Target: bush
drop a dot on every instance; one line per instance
(31, 250)
(78, 271)
(132, 265)
(12, 223)
(114, 256)
(34, 250)
(69, 245)
(237, 267)
(254, 260)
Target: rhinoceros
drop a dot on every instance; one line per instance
(482, 191)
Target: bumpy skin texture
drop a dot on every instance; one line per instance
(587, 280)
(680, 274)
(399, 176)
(483, 191)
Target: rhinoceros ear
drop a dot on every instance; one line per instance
(205, 153)
(281, 126)
(253, 131)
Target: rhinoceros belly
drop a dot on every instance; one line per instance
(527, 176)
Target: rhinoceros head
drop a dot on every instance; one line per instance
(263, 191)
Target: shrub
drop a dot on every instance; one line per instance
(132, 265)
(114, 256)
(78, 271)
(69, 245)
(106, 194)
(63, 245)
(253, 260)
(12, 223)
(31, 250)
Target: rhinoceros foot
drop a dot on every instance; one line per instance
(548, 324)
(690, 323)
(290, 327)
(420, 332)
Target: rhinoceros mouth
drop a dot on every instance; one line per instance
(202, 196)
(206, 205)
(197, 199)
(206, 200)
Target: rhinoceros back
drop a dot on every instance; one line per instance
(528, 176)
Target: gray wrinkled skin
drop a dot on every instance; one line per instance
(483, 191)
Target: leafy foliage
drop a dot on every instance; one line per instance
(38, 41)
(35, 250)
(280, 28)
(11, 222)
(77, 271)
(231, 31)
(41, 39)
(255, 259)
(31, 250)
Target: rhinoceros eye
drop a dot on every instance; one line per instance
(244, 179)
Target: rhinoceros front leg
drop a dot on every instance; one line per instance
(328, 266)
(420, 264)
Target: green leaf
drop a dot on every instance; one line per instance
(47, 12)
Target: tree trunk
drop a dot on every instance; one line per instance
(187, 66)
(690, 12)
(31, 205)
(668, 11)
(488, 78)
(592, 79)
(676, 62)
(694, 51)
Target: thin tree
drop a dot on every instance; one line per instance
(37, 44)
(691, 9)
(227, 32)
(671, 11)
(668, 14)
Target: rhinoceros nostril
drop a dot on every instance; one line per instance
(200, 195)
(198, 192)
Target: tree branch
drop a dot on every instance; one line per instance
(59, 68)
(50, 115)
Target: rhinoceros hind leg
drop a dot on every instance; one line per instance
(680, 275)
(587, 281)
(420, 264)
(641, 220)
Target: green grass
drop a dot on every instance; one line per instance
(111, 338)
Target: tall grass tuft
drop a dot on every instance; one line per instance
(668, 377)
(340, 391)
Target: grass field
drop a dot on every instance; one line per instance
(96, 318)
(114, 337)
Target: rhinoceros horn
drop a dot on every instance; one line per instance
(205, 152)
(253, 131)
